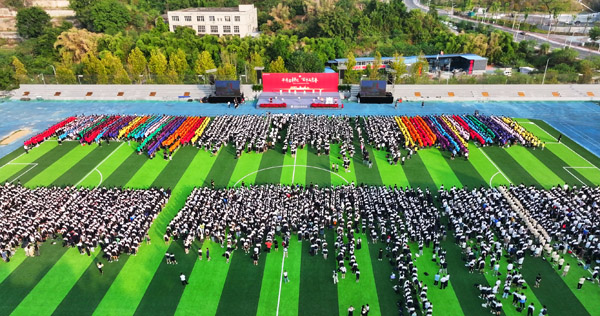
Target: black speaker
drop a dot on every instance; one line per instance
(342, 75)
(211, 80)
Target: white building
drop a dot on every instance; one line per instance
(241, 21)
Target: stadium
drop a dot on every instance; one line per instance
(426, 208)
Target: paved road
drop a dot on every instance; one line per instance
(555, 41)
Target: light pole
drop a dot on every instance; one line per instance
(449, 63)
(141, 78)
(545, 69)
(43, 80)
(79, 78)
(53, 69)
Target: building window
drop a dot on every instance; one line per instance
(214, 29)
(227, 18)
(187, 18)
(236, 29)
(211, 18)
(226, 29)
(175, 18)
(201, 29)
(236, 18)
(200, 18)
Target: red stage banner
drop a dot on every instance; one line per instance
(325, 82)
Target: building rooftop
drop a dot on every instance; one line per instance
(411, 59)
(240, 8)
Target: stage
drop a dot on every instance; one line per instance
(300, 99)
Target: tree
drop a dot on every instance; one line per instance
(351, 75)
(137, 63)
(544, 49)
(203, 63)
(227, 71)
(78, 42)
(374, 69)
(399, 66)
(178, 64)
(158, 65)
(420, 69)
(31, 22)
(277, 66)
(7, 79)
(586, 69)
(20, 71)
(64, 74)
(109, 16)
(94, 69)
(115, 69)
(594, 33)
(256, 60)
(301, 61)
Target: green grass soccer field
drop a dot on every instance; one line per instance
(63, 282)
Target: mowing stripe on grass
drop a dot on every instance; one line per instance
(171, 174)
(417, 174)
(381, 273)
(491, 173)
(444, 301)
(318, 294)
(511, 168)
(297, 174)
(272, 158)
(87, 293)
(9, 267)
(549, 159)
(573, 160)
(465, 171)
(25, 277)
(145, 176)
(165, 290)
(595, 160)
(540, 172)
(85, 165)
(438, 168)
(317, 176)
(12, 155)
(290, 294)
(246, 164)
(553, 292)
(55, 170)
(202, 295)
(336, 158)
(20, 163)
(269, 288)
(363, 292)
(46, 160)
(462, 281)
(390, 174)
(588, 295)
(125, 171)
(223, 167)
(122, 298)
(364, 174)
(56, 284)
(108, 167)
(241, 291)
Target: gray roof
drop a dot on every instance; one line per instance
(222, 9)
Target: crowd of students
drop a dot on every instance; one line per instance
(116, 219)
(261, 132)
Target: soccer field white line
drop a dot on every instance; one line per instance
(500, 171)
(31, 163)
(98, 165)
(294, 171)
(288, 166)
(11, 162)
(280, 281)
(567, 170)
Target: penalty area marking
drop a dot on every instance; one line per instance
(287, 166)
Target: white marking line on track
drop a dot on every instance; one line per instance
(285, 166)
(490, 160)
(98, 165)
(567, 170)
(294, 171)
(280, 281)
